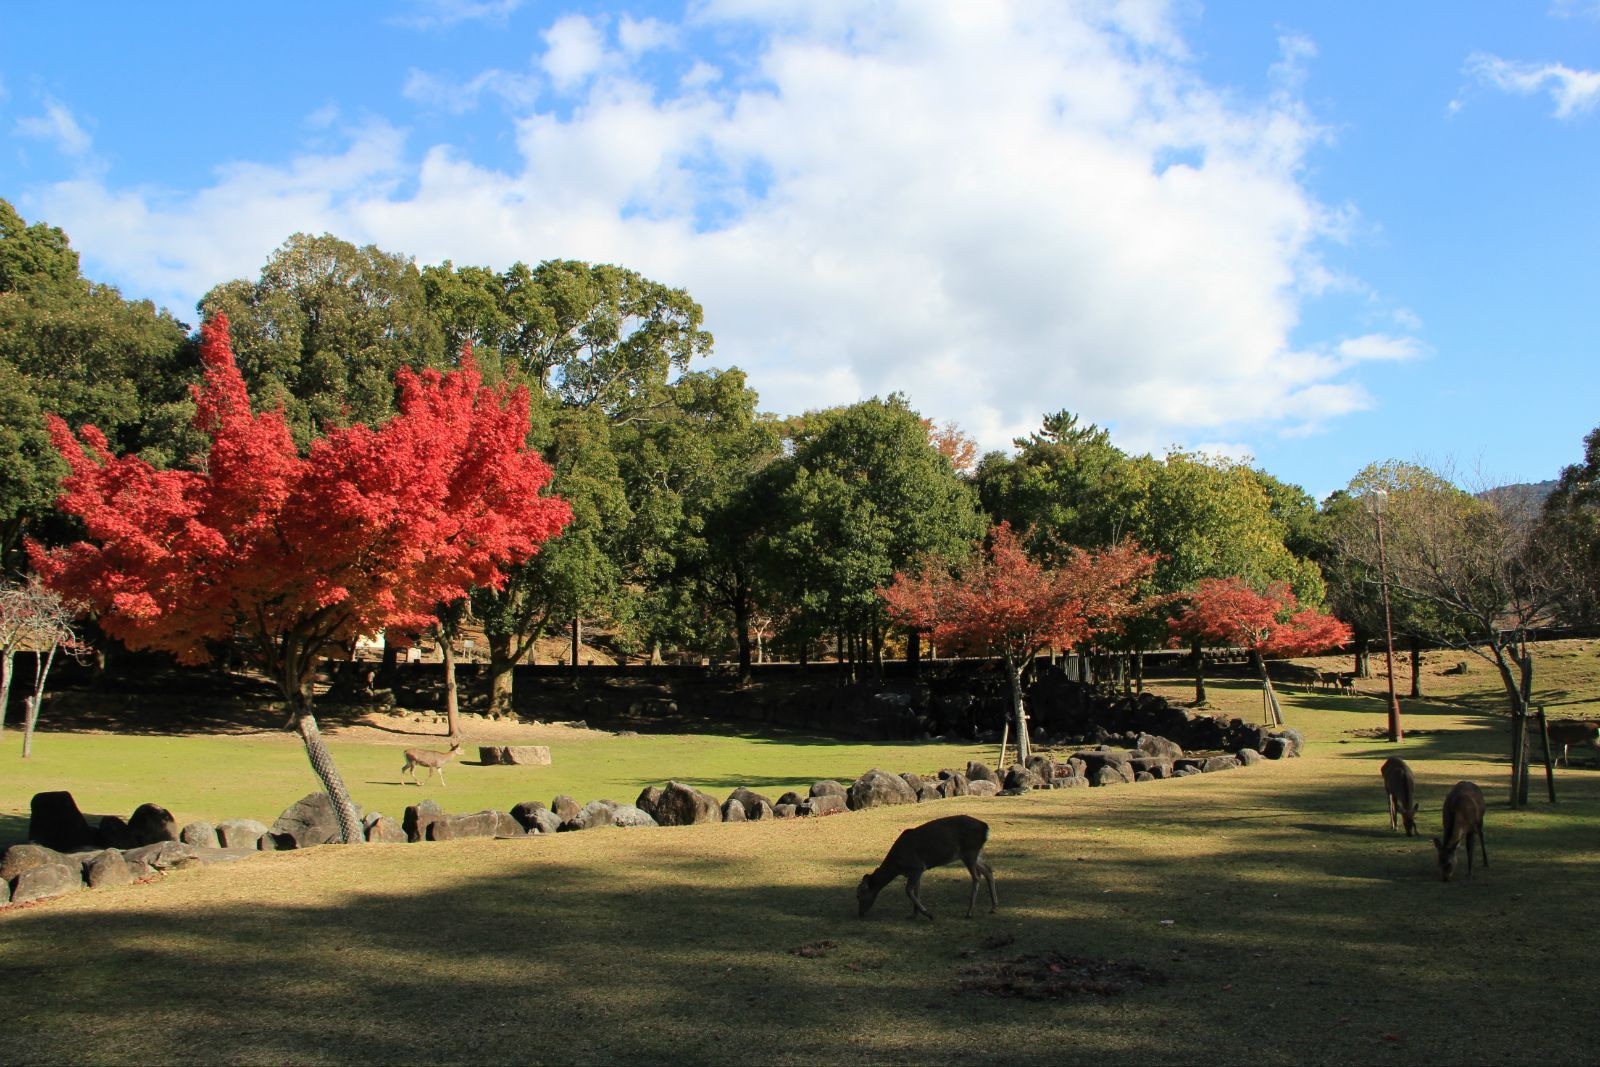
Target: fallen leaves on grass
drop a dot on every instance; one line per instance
(1053, 975)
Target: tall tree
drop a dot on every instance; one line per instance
(371, 528)
(1007, 605)
(1570, 536)
(1268, 622)
(75, 348)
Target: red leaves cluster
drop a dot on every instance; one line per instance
(372, 528)
(1227, 611)
(1010, 605)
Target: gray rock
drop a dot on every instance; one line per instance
(151, 823)
(477, 824)
(785, 811)
(1291, 737)
(1154, 766)
(565, 807)
(526, 755)
(55, 822)
(47, 880)
(5, 891)
(491, 755)
(761, 809)
(952, 784)
(649, 799)
(928, 790)
(25, 857)
(791, 799)
(417, 817)
(914, 781)
(828, 787)
(1248, 757)
(877, 789)
(1022, 778)
(163, 855)
(978, 771)
(1160, 747)
(982, 787)
(202, 834)
(733, 811)
(107, 869)
(524, 813)
(240, 833)
(751, 801)
(310, 821)
(684, 805)
(140, 871)
(1143, 776)
(1277, 748)
(383, 830)
(627, 816)
(826, 804)
(1219, 763)
(1071, 783)
(1110, 774)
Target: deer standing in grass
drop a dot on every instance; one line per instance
(1401, 786)
(933, 844)
(1569, 732)
(427, 757)
(1463, 820)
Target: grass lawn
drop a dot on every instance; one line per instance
(1287, 923)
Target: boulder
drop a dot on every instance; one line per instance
(785, 811)
(1154, 766)
(826, 804)
(107, 869)
(877, 789)
(1070, 783)
(202, 834)
(649, 799)
(565, 807)
(270, 842)
(1143, 776)
(1219, 763)
(417, 817)
(164, 855)
(383, 830)
(46, 880)
(828, 787)
(591, 816)
(914, 781)
(982, 787)
(477, 824)
(1110, 774)
(526, 814)
(240, 833)
(1277, 748)
(526, 755)
(790, 799)
(751, 802)
(490, 755)
(1076, 768)
(1184, 772)
(952, 784)
(733, 811)
(626, 816)
(1042, 766)
(310, 821)
(684, 805)
(980, 772)
(1022, 778)
(1160, 747)
(113, 832)
(928, 790)
(1296, 743)
(151, 823)
(19, 858)
(5, 891)
(55, 822)
(1248, 757)
(139, 871)
(761, 809)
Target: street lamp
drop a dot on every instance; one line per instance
(1376, 503)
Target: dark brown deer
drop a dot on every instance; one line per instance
(933, 844)
(1463, 820)
(1569, 732)
(427, 757)
(1401, 786)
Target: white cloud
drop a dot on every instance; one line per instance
(1002, 209)
(1572, 91)
(637, 36)
(58, 126)
(1378, 346)
(439, 14)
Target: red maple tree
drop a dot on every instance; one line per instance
(1008, 605)
(372, 528)
(1227, 611)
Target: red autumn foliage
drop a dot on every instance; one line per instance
(1009, 605)
(953, 443)
(371, 529)
(1226, 611)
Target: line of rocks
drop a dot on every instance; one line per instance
(65, 853)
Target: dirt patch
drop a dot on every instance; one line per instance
(377, 728)
(1054, 975)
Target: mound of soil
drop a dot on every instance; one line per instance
(1054, 975)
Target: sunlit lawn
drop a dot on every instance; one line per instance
(1289, 923)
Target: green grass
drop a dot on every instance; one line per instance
(1301, 929)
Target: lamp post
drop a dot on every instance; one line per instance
(1376, 503)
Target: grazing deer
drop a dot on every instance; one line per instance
(1569, 732)
(1463, 820)
(1401, 786)
(427, 757)
(933, 844)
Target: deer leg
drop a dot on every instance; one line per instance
(1482, 847)
(914, 883)
(441, 776)
(988, 876)
(1392, 820)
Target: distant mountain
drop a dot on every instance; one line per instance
(1523, 495)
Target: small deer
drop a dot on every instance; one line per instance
(1401, 786)
(427, 757)
(1463, 820)
(933, 844)
(1569, 732)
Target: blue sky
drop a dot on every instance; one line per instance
(1319, 235)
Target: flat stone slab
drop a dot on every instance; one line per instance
(526, 755)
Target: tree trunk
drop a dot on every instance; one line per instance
(1363, 663)
(577, 644)
(1416, 669)
(1269, 695)
(1199, 674)
(344, 809)
(741, 635)
(1014, 671)
(502, 660)
(1138, 672)
(5, 686)
(391, 660)
(914, 651)
(452, 706)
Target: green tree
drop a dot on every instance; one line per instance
(1067, 485)
(324, 328)
(1570, 532)
(78, 349)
